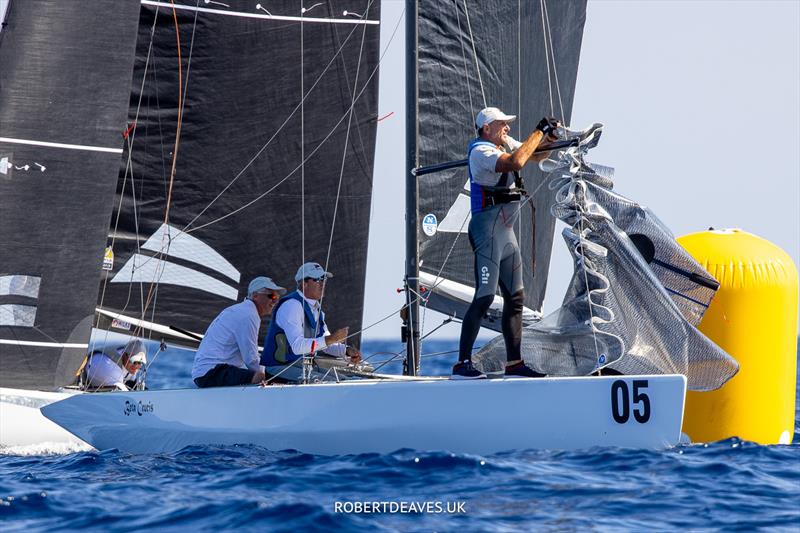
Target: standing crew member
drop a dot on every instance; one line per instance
(495, 203)
(228, 354)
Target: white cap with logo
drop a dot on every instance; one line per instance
(261, 283)
(137, 353)
(311, 270)
(490, 114)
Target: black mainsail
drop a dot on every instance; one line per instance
(65, 71)
(272, 168)
(521, 57)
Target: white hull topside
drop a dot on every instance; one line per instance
(481, 416)
(22, 424)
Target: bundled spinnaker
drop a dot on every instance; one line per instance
(635, 297)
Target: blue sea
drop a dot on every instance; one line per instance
(726, 485)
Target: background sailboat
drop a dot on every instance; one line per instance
(65, 74)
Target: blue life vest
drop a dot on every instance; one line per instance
(277, 350)
(478, 193)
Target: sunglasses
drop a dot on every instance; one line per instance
(318, 280)
(271, 295)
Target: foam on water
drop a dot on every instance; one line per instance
(46, 448)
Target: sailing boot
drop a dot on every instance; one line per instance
(521, 370)
(466, 370)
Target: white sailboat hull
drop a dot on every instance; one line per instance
(22, 423)
(483, 416)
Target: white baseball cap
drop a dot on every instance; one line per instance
(261, 283)
(311, 270)
(490, 114)
(137, 353)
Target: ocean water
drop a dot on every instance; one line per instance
(726, 485)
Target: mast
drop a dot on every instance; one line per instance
(411, 320)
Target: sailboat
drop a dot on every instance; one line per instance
(183, 241)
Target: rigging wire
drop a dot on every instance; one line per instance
(316, 149)
(346, 143)
(548, 36)
(549, 33)
(302, 146)
(166, 238)
(519, 69)
(547, 58)
(182, 104)
(274, 135)
(475, 53)
(464, 57)
(130, 139)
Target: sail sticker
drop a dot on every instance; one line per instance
(108, 259)
(120, 324)
(429, 225)
(5, 165)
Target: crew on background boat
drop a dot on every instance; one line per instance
(119, 368)
(298, 327)
(495, 159)
(228, 354)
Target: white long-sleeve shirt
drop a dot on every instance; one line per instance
(232, 338)
(290, 317)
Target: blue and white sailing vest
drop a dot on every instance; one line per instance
(479, 193)
(277, 350)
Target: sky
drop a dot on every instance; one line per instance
(701, 106)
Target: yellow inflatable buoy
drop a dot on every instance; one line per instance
(753, 317)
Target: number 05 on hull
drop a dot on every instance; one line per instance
(482, 416)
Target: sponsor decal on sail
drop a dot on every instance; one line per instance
(169, 241)
(108, 259)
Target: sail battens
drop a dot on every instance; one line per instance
(45, 344)
(259, 15)
(66, 146)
